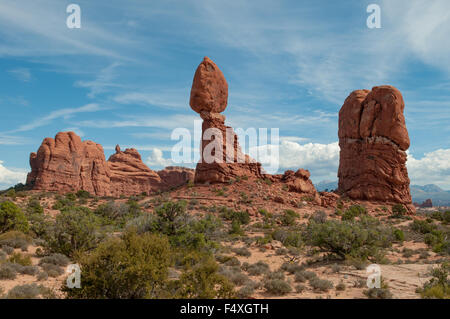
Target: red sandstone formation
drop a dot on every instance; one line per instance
(66, 164)
(373, 139)
(426, 204)
(174, 176)
(221, 156)
(129, 175)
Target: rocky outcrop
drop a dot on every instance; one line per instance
(221, 156)
(129, 175)
(67, 164)
(425, 204)
(373, 139)
(174, 176)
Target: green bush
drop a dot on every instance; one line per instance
(134, 266)
(12, 218)
(202, 281)
(118, 213)
(362, 239)
(398, 211)
(320, 284)
(288, 238)
(242, 217)
(354, 211)
(438, 287)
(288, 217)
(15, 239)
(422, 226)
(75, 229)
(18, 258)
(277, 287)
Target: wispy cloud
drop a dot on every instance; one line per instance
(22, 74)
(170, 99)
(58, 114)
(103, 81)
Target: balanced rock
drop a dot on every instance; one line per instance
(221, 156)
(373, 139)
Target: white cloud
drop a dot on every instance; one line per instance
(322, 160)
(156, 159)
(432, 168)
(22, 74)
(10, 177)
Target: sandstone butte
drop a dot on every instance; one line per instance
(209, 97)
(66, 164)
(373, 139)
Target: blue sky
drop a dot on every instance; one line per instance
(125, 76)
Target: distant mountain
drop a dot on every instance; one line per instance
(419, 193)
(438, 196)
(326, 185)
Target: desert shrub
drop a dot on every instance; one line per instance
(257, 268)
(399, 235)
(55, 259)
(245, 292)
(422, 226)
(354, 211)
(83, 194)
(341, 286)
(437, 240)
(202, 280)
(7, 271)
(118, 213)
(233, 261)
(438, 287)
(8, 250)
(242, 251)
(288, 238)
(134, 266)
(18, 258)
(274, 275)
(291, 267)
(320, 284)
(281, 251)
(144, 223)
(378, 293)
(52, 270)
(15, 239)
(236, 277)
(42, 276)
(12, 218)
(64, 202)
(304, 275)
(27, 291)
(277, 287)
(30, 270)
(288, 217)
(34, 207)
(241, 216)
(40, 224)
(236, 228)
(300, 288)
(75, 229)
(361, 239)
(171, 215)
(398, 211)
(319, 216)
